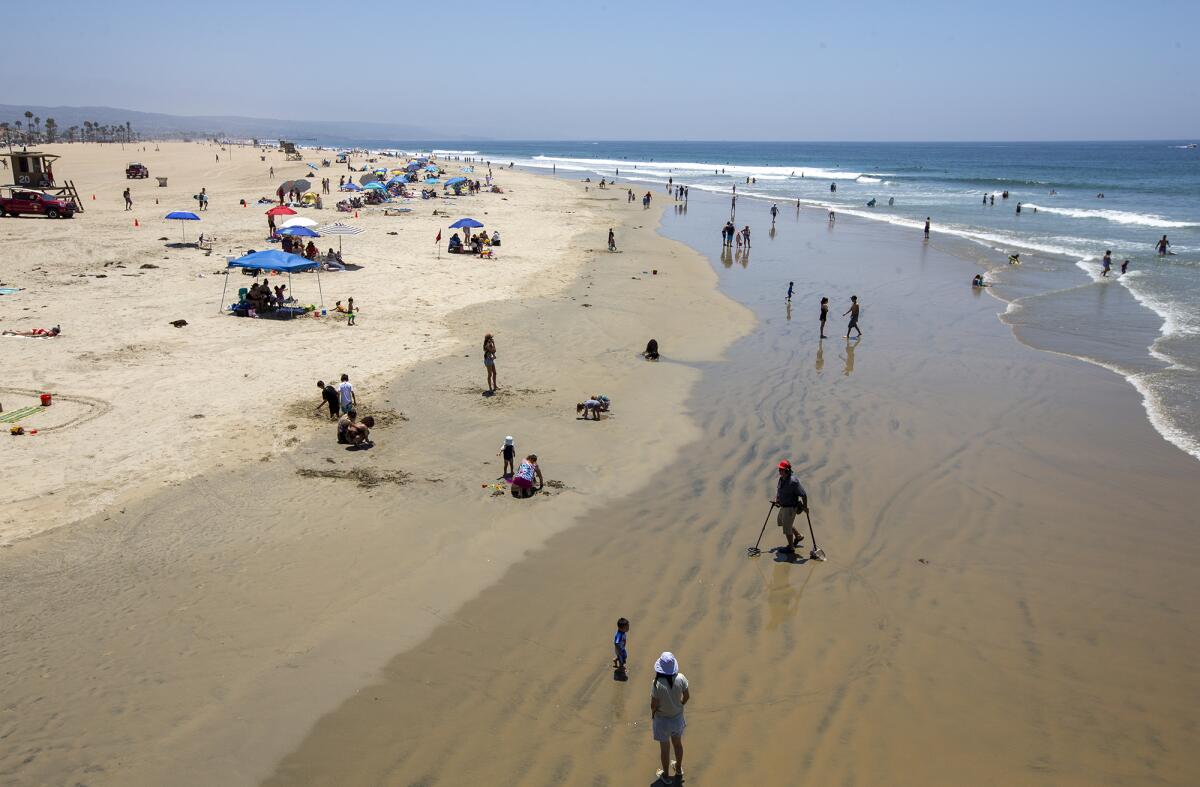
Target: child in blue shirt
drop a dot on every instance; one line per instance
(619, 640)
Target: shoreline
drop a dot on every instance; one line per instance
(1138, 372)
(321, 580)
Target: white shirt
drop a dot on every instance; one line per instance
(346, 393)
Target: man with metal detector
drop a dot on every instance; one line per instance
(791, 499)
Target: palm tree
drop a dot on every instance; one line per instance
(51, 130)
(18, 125)
(72, 133)
(28, 122)
(87, 131)
(37, 126)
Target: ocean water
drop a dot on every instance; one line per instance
(1144, 325)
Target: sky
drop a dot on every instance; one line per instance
(611, 69)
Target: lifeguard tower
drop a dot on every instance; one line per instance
(289, 148)
(32, 169)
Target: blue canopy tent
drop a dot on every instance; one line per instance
(182, 216)
(275, 260)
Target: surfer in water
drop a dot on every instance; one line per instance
(1163, 246)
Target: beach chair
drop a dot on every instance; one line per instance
(205, 242)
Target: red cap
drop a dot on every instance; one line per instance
(785, 465)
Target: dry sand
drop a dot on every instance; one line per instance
(160, 403)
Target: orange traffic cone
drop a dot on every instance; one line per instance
(135, 223)
(356, 214)
(93, 198)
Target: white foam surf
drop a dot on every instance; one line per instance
(1115, 216)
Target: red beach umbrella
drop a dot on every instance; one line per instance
(281, 210)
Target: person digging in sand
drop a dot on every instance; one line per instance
(329, 398)
(522, 482)
(359, 434)
(591, 406)
(348, 419)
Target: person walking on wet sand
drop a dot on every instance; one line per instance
(791, 289)
(824, 315)
(926, 228)
(128, 199)
(489, 361)
(774, 214)
(612, 240)
(853, 312)
(792, 500)
(668, 694)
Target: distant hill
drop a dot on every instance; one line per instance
(158, 125)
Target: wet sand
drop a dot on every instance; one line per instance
(1010, 595)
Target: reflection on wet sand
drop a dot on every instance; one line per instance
(851, 345)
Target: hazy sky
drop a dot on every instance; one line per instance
(655, 69)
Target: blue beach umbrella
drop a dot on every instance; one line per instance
(302, 232)
(351, 186)
(455, 181)
(467, 223)
(431, 168)
(431, 181)
(376, 185)
(312, 166)
(182, 216)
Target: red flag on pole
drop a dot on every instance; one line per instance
(438, 239)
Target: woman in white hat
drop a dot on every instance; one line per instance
(668, 695)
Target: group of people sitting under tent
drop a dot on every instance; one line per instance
(477, 244)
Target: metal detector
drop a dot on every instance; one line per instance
(754, 551)
(817, 553)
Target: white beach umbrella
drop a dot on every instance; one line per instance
(298, 221)
(340, 229)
